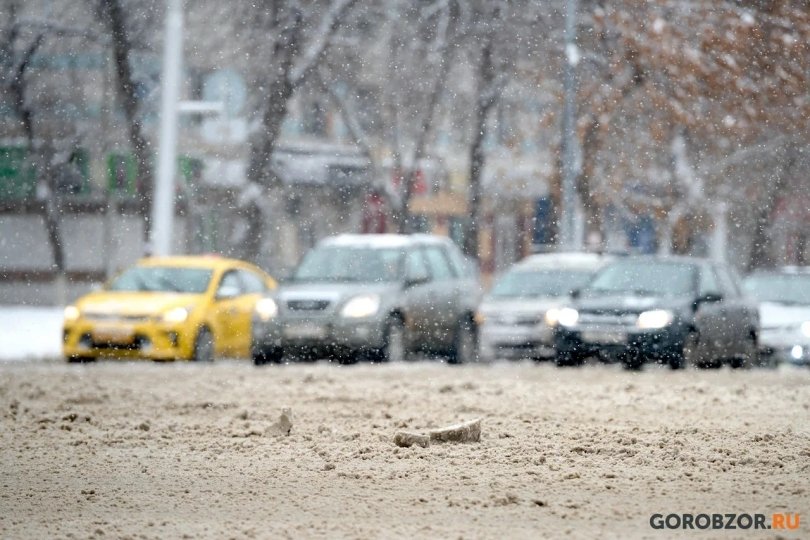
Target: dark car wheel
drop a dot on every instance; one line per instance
(632, 361)
(394, 349)
(688, 357)
(204, 346)
(749, 357)
(465, 347)
(567, 358)
(347, 358)
(264, 355)
(80, 359)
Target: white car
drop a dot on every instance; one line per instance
(516, 318)
(784, 313)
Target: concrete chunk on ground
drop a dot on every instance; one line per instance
(462, 433)
(407, 438)
(284, 424)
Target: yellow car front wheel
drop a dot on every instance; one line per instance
(203, 346)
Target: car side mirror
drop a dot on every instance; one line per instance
(708, 298)
(227, 291)
(575, 293)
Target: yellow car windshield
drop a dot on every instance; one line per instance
(162, 279)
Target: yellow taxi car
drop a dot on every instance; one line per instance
(166, 308)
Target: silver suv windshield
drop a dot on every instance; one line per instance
(644, 278)
(350, 265)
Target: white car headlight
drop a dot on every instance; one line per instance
(805, 328)
(655, 318)
(72, 313)
(567, 316)
(266, 309)
(361, 306)
(552, 317)
(176, 315)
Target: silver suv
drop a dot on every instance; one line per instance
(382, 296)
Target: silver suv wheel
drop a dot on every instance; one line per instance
(394, 349)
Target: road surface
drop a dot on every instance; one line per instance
(143, 450)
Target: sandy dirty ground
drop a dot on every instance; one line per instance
(141, 450)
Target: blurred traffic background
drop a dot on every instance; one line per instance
(254, 131)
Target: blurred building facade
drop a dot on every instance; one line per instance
(328, 177)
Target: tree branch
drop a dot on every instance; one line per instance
(114, 17)
(360, 138)
(318, 49)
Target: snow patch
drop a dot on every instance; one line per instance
(30, 333)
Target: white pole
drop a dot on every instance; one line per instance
(570, 233)
(163, 196)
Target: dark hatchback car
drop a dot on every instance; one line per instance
(681, 311)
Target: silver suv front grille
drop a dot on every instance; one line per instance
(307, 305)
(607, 319)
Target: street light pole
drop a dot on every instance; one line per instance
(568, 229)
(163, 198)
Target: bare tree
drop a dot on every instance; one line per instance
(491, 77)
(725, 71)
(19, 47)
(447, 35)
(408, 69)
(289, 43)
(778, 183)
(117, 16)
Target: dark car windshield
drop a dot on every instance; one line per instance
(539, 283)
(162, 279)
(350, 264)
(644, 278)
(780, 288)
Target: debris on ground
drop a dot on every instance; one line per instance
(406, 439)
(284, 424)
(463, 432)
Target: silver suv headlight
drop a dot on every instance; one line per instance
(654, 319)
(266, 309)
(361, 306)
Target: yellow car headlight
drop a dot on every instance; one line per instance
(653, 319)
(361, 306)
(72, 313)
(552, 317)
(266, 309)
(567, 316)
(176, 315)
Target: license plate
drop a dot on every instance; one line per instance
(121, 335)
(305, 331)
(604, 337)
